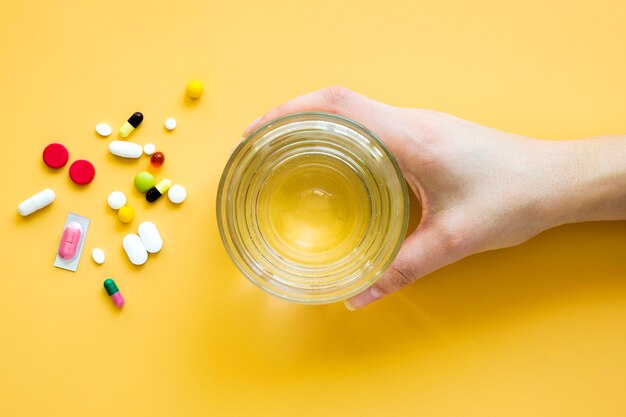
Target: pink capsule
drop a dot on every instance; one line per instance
(70, 241)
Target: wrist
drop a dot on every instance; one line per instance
(584, 180)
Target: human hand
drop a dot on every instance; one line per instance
(479, 188)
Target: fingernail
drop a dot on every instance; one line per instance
(251, 125)
(361, 300)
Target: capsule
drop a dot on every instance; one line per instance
(130, 125)
(158, 190)
(114, 292)
(70, 241)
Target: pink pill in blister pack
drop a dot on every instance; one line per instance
(70, 241)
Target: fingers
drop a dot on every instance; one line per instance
(336, 100)
(424, 251)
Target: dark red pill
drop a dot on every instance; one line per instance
(55, 155)
(157, 159)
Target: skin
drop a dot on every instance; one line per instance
(480, 188)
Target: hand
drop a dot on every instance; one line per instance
(479, 188)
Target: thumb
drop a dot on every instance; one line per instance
(376, 116)
(424, 251)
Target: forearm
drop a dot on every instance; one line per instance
(589, 180)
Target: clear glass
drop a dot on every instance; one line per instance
(312, 207)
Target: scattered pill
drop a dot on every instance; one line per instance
(125, 149)
(126, 214)
(70, 241)
(130, 125)
(36, 202)
(116, 200)
(194, 89)
(98, 256)
(149, 149)
(114, 292)
(134, 249)
(82, 172)
(157, 159)
(144, 181)
(177, 194)
(103, 129)
(55, 155)
(157, 191)
(150, 237)
(170, 123)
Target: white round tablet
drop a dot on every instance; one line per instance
(116, 200)
(170, 124)
(103, 129)
(177, 194)
(98, 256)
(149, 148)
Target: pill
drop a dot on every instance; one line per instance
(82, 172)
(170, 123)
(103, 129)
(116, 200)
(98, 256)
(157, 191)
(144, 181)
(130, 125)
(55, 155)
(149, 149)
(177, 194)
(126, 214)
(157, 159)
(150, 237)
(36, 202)
(134, 249)
(114, 292)
(125, 149)
(194, 89)
(70, 241)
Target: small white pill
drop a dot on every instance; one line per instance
(36, 202)
(134, 249)
(116, 200)
(98, 256)
(150, 237)
(103, 129)
(149, 149)
(170, 124)
(177, 194)
(125, 149)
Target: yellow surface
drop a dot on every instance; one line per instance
(537, 330)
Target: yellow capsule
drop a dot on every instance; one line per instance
(130, 125)
(158, 190)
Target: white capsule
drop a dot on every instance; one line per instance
(103, 129)
(149, 149)
(125, 149)
(150, 237)
(36, 202)
(116, 200)
(170, 124)
(134, 249)
(98, 256)
(177, 194)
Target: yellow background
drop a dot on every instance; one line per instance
(536, 330)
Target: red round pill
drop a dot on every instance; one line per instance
(55, 155)
(82, 172)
